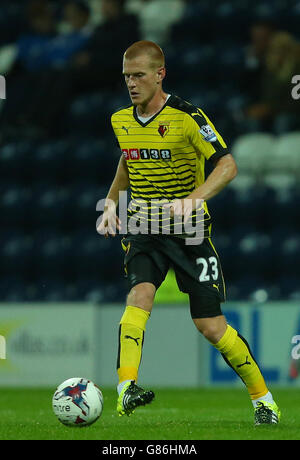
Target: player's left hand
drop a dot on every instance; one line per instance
(183, 207)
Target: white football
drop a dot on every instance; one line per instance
(77, 402)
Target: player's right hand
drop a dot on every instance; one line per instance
(110, 222)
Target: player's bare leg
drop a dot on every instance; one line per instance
(236, 352)
(131, 339)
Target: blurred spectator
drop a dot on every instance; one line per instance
(43, 48)
(99, 65)
(33, 86)
(261, 33)
(31, 46)
(156, 17)
(77, 15)
(275, 109)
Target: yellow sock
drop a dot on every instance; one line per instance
(237, 354)
(131, 339)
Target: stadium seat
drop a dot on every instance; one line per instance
(280, 181)
(222, 208)
(94, 290)
(289, 287)
(95, 157)
(82, 204)
(82, 113)
(249, 207)
(256, 289)
(15, 252)
(255, 254)
(265, 291)
(242, 182)
(246, 284)
(254, 152)
(92, 253)
(286, 207)
(49, 205)
(14, 159)
(12, 289)
(15, 200)
(90, 288)
(286, 155)
(288, 255)
(49, 159)
(51, 289)
(51, 252)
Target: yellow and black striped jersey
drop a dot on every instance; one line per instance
(166, 155)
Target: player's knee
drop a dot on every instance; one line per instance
(142, 296)
(212, 329)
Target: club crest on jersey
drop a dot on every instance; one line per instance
(163, 129)
(208, 134)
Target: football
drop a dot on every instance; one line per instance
(77, 402)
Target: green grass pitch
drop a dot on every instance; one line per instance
(175, 414)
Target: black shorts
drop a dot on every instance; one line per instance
(197, 269)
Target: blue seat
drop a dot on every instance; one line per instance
(246, 285)
(115, 292)
(15, 252)
(90, 288)
(82, 204)
(88, 113)
(288, 255)
(50, 204)
(15, 160)
(222, 208)
(96, 157)
(12, 289)
(51, 252)
(256, 254)
(49, 159)
(15, 200)
(82, 113)
(50, 289)
(92, 253)
(95, 289)
(286, 208)
(289, 286)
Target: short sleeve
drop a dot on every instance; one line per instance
(202, 134)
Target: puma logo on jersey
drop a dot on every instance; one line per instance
(126, 129)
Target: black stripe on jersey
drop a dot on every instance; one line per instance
(158, 176)
(178, 180)
(162, 187)
(182, 158)
(171, 195)
(219, 154)
(160, 168)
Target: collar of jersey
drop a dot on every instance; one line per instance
(154, 116)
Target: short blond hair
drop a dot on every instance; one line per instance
(146, 48)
